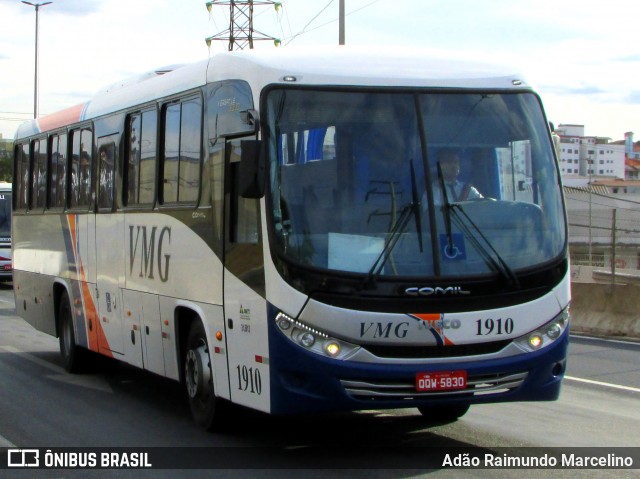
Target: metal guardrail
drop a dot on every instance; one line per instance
(623, 261)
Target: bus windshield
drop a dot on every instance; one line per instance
(413, 184)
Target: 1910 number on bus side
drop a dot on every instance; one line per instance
(249, 379)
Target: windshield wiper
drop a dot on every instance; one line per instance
(394, 236)
(416, 205)
(446, 207)
(496, 261)
(397, 229)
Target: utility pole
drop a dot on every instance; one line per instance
(613, 247)
(35, 79)
(341, 34)
(241, 33)
(589, 162)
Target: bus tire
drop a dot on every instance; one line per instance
(198, 379)
(444, 413)
(70, 352)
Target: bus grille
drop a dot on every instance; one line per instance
(386, 390)
(449, 351)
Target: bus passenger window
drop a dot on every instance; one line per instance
(181, 155)
(39, 187)
(58, 171)
(140, 168)
(105, 192)
(80, 188)
(22, 176)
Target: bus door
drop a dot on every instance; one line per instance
(109, 251)
(244, 293)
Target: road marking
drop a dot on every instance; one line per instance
(606, 340)
(4, 442)
(85, 380)
(34, 359)
(599, 383)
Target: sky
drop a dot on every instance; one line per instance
(582, 56)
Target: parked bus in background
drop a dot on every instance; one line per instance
(281, 230)
(5, 232)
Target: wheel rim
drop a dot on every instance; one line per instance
(198, 373)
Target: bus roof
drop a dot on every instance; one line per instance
(344, 66)
(360, 66)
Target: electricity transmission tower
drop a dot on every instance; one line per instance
(241, 32)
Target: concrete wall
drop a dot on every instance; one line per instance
(606, 310)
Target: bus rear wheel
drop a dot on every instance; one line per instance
(206, 408)
(444, 413)
(69, 351)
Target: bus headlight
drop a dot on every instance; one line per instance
(307, 339)
(544, 335)
(313, 339)
(332, 348)
(536, 341)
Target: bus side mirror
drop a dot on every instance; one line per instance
(251, 174)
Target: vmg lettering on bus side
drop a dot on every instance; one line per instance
(143, 245)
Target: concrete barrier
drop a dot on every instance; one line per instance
(606, 310)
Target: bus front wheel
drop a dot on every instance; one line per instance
(198, 378)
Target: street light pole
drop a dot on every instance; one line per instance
(589, 162)
(341, 33)
(35, 77)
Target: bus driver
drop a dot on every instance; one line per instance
(457, 190)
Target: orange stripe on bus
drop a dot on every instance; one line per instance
(428, 316)
(61, 118)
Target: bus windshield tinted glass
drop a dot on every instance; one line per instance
(404, 184)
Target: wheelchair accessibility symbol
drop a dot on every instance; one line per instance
(453, 250)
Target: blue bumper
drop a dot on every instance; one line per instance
(303, 382)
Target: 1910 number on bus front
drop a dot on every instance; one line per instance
(486, 327)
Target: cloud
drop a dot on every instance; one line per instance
(573, 90)
(628, 58)
(77, 8)
(634, 97)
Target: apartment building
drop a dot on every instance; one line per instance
(584, 157)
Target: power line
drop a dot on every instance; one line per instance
(330, 21)
(310, 22)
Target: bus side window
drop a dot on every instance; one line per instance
(39, 190)
(21, 176)
(106, 172)
(140, 161)
(181, 155)
(81, 159)
(57, 170)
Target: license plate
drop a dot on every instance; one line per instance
(441, 381)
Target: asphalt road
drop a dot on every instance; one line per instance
(43, 406)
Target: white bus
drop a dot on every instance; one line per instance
(275, 229)
(6, 268)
